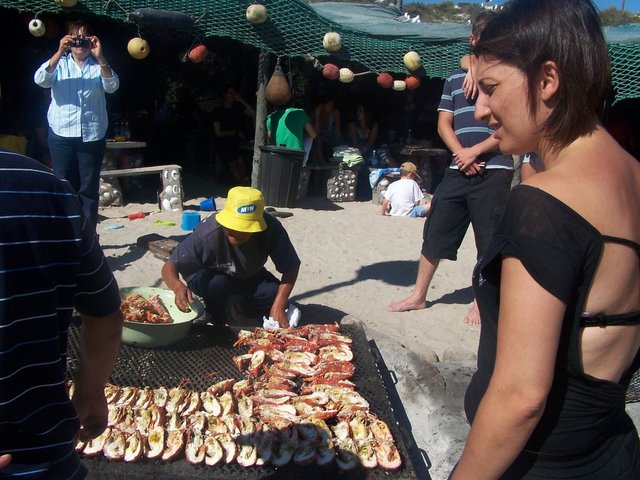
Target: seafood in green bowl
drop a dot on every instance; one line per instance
(152, 319)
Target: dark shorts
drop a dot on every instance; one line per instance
(256, 294)
(460, 200)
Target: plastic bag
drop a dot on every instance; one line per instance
(293, 315)
(376, 175)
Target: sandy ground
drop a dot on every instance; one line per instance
(354, 263)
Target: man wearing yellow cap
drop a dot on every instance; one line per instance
(224, 259)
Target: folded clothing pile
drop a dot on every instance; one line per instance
(350, 156)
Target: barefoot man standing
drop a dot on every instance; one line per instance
(474, 188)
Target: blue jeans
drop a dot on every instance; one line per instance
(79, 163)
(217, 289)
(418, 211)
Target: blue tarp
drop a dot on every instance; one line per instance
(389, 22)
(629, 33)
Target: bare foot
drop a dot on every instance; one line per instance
(473, 317)
(406, 305)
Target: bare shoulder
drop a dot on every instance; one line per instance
(603, 187)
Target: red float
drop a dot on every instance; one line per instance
(198, 53)
(330, 71)
(385, 80)
(412, 82)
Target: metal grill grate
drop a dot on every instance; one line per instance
(633, 390)
(203, 358)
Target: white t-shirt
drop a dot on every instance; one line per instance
(403, 195)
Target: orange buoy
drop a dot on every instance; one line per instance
(198, 53)
(412, 82)
(385, 80)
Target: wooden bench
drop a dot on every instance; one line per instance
(171, 196)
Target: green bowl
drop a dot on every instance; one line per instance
(153, 335)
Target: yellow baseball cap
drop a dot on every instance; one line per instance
(243, 211)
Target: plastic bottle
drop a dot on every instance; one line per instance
(126, 132)
(383, 156)
(374, 158)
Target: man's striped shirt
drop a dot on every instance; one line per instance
(468, 130)
(50, 262)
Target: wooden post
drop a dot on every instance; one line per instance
(261, 114)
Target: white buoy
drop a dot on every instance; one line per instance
(37, 27)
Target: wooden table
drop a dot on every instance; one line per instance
(116, 151)
(127, 144)
(430, 162)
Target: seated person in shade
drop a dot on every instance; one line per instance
(363, 132)
(402, 198)
(224, 259)
(229, 128)
(327, 124)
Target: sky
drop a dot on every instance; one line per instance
(629, 6)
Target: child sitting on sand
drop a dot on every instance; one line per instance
(403, 197)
